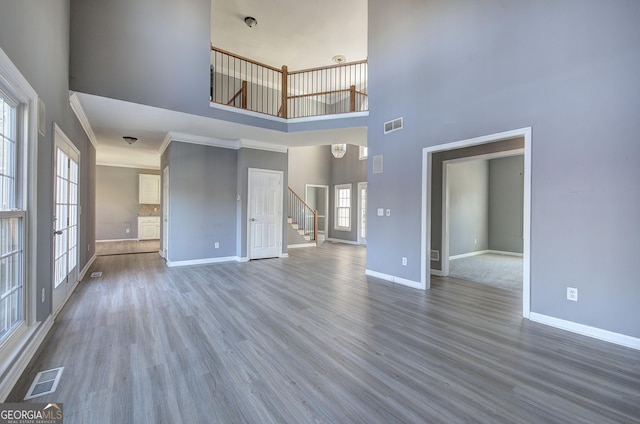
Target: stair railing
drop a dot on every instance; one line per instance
(304, 216)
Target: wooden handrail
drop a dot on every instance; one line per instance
(322, 68)
(346, 90)
(300, 199)
(219, 50)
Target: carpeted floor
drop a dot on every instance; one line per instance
(104, 248)
(493, 269)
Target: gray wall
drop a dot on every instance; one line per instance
(506, 191)
(468, 206)
(346, 170)
(461, 69)
(35, 36)
(117, 191)
(309, 165)
(202, 201)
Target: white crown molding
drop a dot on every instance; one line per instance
(76, 106)
(218, 142)
(259, 145)
(124, 165)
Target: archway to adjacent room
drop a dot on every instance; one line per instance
(432, 195)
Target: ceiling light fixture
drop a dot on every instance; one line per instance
(129, 139)
(339, 59)
(250, 21)
(338, 150)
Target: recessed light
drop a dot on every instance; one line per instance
(339, 59)
(129, 139)
(250, 21)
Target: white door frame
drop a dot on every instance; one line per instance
(326, 205)
(61, 139)
(281, 208)
(360, 205)
(427, 154)
(444, 250)
(164, 251)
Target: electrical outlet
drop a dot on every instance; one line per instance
(404, 261)
(388, 212)
(572, 294)
(126, 231)
(43, 295)
(475, 241)
(216, 245)
(88, 248)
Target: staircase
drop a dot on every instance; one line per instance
(302, 218)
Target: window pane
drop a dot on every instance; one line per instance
(11, 284)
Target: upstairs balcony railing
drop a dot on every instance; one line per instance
(244, 83)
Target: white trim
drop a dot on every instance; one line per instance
(394, 279)
(437, 272)
(586, 330)
(17, 360)
(280, 228)
(284, 255)
(267, 117)
(12, 78)
(426, 206)
(468, 255)
(108, 240)
(77, 108)
(120, 165)
(299, 245)
(336, 188)
(359, 213)
(222, 143)
(86, 267)
(335, 240)
(505, 253)
(203, 261)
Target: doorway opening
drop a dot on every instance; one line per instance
(433, 208)
(317, 197)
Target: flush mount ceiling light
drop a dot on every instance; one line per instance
(339, 59)
(250, 21)
(129, 139)
(338, 150)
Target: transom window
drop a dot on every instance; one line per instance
(343, 207)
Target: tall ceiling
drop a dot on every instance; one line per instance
(298, 33)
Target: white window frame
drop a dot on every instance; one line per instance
(364, 152)
(336, 207)
(15, 85)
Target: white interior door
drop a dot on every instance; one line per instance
(362, 213)
(165, 213)
(66, 223)
(265, 213)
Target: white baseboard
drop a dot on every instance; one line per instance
(394, 279)
(436, 272)
(86, 268)
(204, 261)
(108, 240)
(504, 253)
(299, 245)
(23, 355)
(334, 240)
(284, 255)
(585, 330)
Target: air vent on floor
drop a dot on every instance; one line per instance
(435, 255)
(96, 274)
(45, 382)
(394, 125)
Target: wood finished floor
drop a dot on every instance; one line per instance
(309, 339)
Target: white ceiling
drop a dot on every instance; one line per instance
(287, 33)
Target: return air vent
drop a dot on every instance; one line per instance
(45, 382)
(394, 125)
(435, 255)
(378, 166)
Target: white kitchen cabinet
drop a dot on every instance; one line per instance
(149, 189)
(148, 227)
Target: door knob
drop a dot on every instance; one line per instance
(57, 233)
(252, 219)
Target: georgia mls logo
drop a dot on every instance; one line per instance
(31, 413)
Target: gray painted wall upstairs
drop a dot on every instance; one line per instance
(35, 36)
(568, 69)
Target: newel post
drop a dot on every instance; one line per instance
(285, 91)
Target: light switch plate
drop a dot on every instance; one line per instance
(380, 212)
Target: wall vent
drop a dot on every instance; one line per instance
(394, 125)
(377, 164)
(45, 382)
(435, 255)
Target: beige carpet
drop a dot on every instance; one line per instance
(104, 248)
(491, 269)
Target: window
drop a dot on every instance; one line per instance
(364, 152)
(343, 207)
(12, 217)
